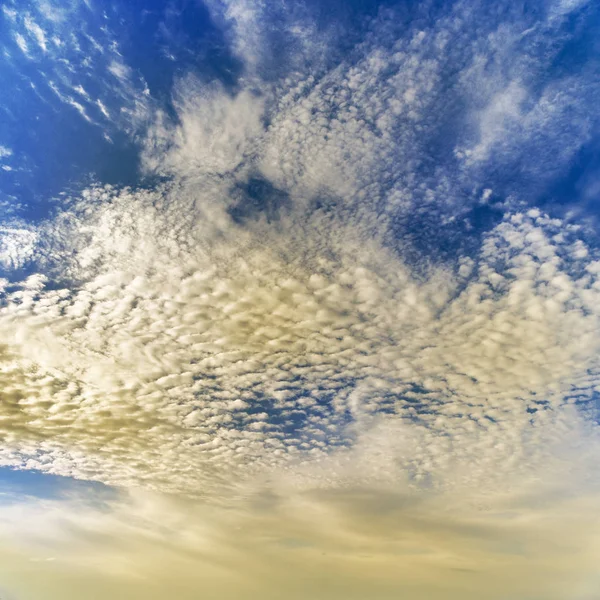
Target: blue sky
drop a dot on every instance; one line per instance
(17, 483)
(299, 296)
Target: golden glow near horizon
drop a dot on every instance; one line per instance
(293, 402)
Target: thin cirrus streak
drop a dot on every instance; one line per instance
(270, 354)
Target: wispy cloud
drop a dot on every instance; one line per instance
(36, 31)
(22, 43)
(266, 336)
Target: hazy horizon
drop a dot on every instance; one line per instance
(300, 299)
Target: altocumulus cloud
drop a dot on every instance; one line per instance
(263, 353)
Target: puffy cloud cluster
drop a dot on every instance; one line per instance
(408, 127)
(260, 328)
(17, 245)
(156, 346)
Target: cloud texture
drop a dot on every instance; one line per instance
(271, 352)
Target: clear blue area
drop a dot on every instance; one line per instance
(15, 484)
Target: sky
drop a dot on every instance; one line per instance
(299, 299)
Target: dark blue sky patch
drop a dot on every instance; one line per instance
(578, 190)
(257, 198)
(172, 39)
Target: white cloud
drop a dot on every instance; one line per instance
(80, 57)
(205, 340)
(103, 108)
(36, 31)
(258, 333)
(562, 8)
(217, 131)
(496, 119)
(20, 40)
(17, 245)
(221, 334)
(259, 46)
(70, 101)
(227, 345)
(119, 70)
(10, 13)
